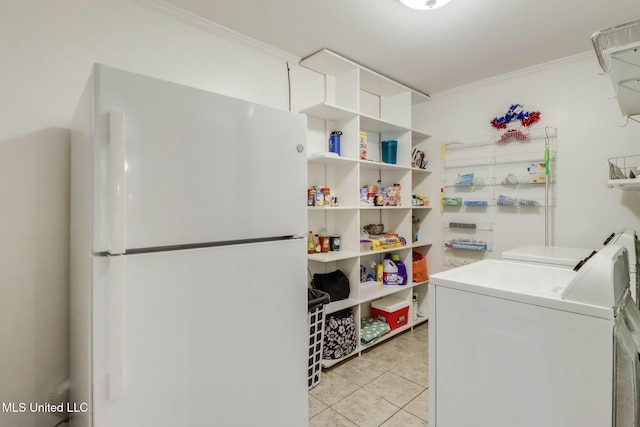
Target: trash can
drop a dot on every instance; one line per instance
(317, 300)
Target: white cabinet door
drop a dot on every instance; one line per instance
(177, 165)
(214, 336)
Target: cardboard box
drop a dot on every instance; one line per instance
(363, 146)
(537, 173)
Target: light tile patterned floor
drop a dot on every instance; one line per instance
(385, 387)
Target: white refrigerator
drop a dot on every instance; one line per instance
(188, 273)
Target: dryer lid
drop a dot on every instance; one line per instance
(602, 280)
(629, 240)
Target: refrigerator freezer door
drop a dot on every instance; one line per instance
(176, 165)
(214, 336)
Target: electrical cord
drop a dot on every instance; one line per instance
(289, 83)
(66, 420)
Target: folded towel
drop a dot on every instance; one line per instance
(372, 329)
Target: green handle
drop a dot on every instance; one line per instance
(546, 160)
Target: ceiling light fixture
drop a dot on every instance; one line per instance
(424, 4)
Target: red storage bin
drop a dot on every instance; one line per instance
(394, 310)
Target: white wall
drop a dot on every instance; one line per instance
(571, 96)
(47, 50)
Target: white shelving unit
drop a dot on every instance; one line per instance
(359, 100)
(618, 52)
(625, 184)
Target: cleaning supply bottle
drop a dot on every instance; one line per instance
(379, 273)
(390, 272)
(402, 269)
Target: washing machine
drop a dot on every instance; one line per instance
(531, 345)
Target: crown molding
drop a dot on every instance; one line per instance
(514, 74)
(216, 29)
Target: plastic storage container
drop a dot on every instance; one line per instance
(394, 310)
(389, 151)
(316, 301)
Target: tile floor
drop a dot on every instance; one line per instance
(385, 387)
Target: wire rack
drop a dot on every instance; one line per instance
(625, 167)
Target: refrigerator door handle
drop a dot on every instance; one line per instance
(115, 361)
(117, 187)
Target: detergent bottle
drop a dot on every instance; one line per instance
(389, 272)
(402, 269)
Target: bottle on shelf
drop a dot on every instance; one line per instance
(379, 273)
(324, 240)
(334, 142)
(311, 196)
(316, 242)
(373, 276)
(311, 245)
(402, 269)
(389, 272)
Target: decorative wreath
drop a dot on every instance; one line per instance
(516, 112)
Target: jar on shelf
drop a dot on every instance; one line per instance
(326, 196)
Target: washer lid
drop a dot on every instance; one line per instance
(543, 285)
(554, 255)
